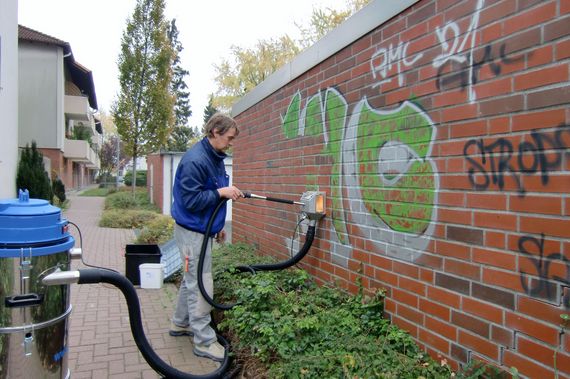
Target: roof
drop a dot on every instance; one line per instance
(81, 76)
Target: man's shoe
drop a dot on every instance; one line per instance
(214, 351)
(177, 331)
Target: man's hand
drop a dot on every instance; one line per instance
(232, 193)
(220, 237)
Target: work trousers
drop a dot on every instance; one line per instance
(192, 309)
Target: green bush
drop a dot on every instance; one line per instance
(126, 200)
(58, 190)
(128, 219)
(31, 174)
(141, 179)
(297, 329)
(156, 232)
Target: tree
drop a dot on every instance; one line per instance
(209, 110)
(249, 67)
(111, 159)
(32, 174)
(181, 133)
(143, 112)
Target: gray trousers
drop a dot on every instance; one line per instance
(192, 309)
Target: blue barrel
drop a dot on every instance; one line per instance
(34, 242)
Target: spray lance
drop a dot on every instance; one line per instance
(313, 208)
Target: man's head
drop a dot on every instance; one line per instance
(221, 131)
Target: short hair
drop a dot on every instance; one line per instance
(220, 122)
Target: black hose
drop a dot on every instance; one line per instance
(260, 267)
(89, 276)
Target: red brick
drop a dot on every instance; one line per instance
(495, 220)
(492, 88)
(451, 198)
(444, 296)
(494, 239)
(525, 366)
(540, 56)
(483, 310)
(434, 340)
(542, 119)
(405, 297)
(530, 327)
(499, 125)
(481, 345)
(543, 354)
(563, 50)
(539, 310)
(532, 17)
(462, 112)
(542, 77)
(535, 204)
(493, 201)
(412, 285)
(434, 309)
(405, 325)
(406, 269)
(463, 269)
(452, 249)
(555, 227)
(495, 258)
(505, 279)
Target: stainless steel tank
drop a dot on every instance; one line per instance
(34, 242)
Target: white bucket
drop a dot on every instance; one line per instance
(152, 275)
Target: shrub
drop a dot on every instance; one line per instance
(58, 190)
(126, 200)
(128, 219)
(297, 329)
(141, 179)
(32, 175)
(156, 232)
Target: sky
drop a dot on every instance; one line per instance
(207, 30)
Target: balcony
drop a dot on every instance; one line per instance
(81, 151)
(77, 107)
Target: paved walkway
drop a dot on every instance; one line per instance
(100, 340)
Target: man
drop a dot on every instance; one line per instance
(199, 185)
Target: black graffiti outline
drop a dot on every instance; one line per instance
(542, 265)
(501, 160)
(462, 75)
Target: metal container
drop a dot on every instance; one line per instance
(34, 242)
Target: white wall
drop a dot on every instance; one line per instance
(170, 165)
(41, 95)
(8, 97)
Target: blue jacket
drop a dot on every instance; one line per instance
(198, 176)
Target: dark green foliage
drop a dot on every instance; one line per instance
(58, 189)
(300, 330)
(32, 175)
(126, 200)
(209, 110)
(141, 178)
(181, 134)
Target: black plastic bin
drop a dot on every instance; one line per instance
(136, 255)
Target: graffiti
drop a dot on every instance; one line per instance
(490, 163)
(384, 59)
(543, 283)
(461, 48)
(382, 175)
(468, 76)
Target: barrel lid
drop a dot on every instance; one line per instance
(32, 224)
(24, 206)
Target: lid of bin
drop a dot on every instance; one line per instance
(31, 223)
(24, 206)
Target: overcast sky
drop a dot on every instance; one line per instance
(207, 30)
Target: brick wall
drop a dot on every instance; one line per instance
(441, 139)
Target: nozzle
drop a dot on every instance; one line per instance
(61, 277)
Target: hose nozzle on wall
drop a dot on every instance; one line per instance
(313, 204)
